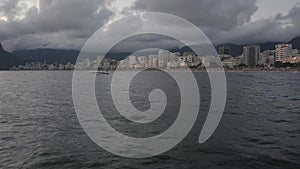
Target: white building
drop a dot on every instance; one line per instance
(142, 62)
(153, 61)
(163, 58)
(173, 61)
(283, 51)
(132, 62)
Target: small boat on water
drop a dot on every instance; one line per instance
(100, 72)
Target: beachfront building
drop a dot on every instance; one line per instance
(132, 62)
(163, 57)
(267, 58)
(283, 51)
(251, 54)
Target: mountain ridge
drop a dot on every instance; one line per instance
(237, 50)
(8, 60)
(50, 56)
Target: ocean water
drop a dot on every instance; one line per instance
(260, 126)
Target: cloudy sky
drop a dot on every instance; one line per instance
(67, 24)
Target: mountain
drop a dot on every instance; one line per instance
(296, 43)
(48, 55)
(236, 50)
(8, 60)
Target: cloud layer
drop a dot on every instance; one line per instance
(57, 24)
(26, 24)
(230, 20)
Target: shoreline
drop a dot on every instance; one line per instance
(292, 70)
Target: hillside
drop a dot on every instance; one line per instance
(237, 50)
(296, 43)
(8, 60)
(48, 55)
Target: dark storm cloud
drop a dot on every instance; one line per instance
(69, 23)
(280, 28)
(228, 21)
(293, 15)
(215, 14)
(67, 20)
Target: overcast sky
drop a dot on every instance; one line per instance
(67, 24)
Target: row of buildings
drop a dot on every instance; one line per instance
(44, 66)
(164, 59)
(252, 56)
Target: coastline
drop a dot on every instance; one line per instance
(293, 70)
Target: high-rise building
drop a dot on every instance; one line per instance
(152, 61)
(142, 62)
(132, 62)
(251, 54)
(163, 58)
(283, 51)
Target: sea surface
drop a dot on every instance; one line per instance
(260, 127)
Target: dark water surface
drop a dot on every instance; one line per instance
(260, 127)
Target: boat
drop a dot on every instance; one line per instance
(100, 72)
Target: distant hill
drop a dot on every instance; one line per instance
(237, 50)
(296, 43)
(8, 60)
(48, 55)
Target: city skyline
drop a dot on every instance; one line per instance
(149, 84)
(252, 56)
